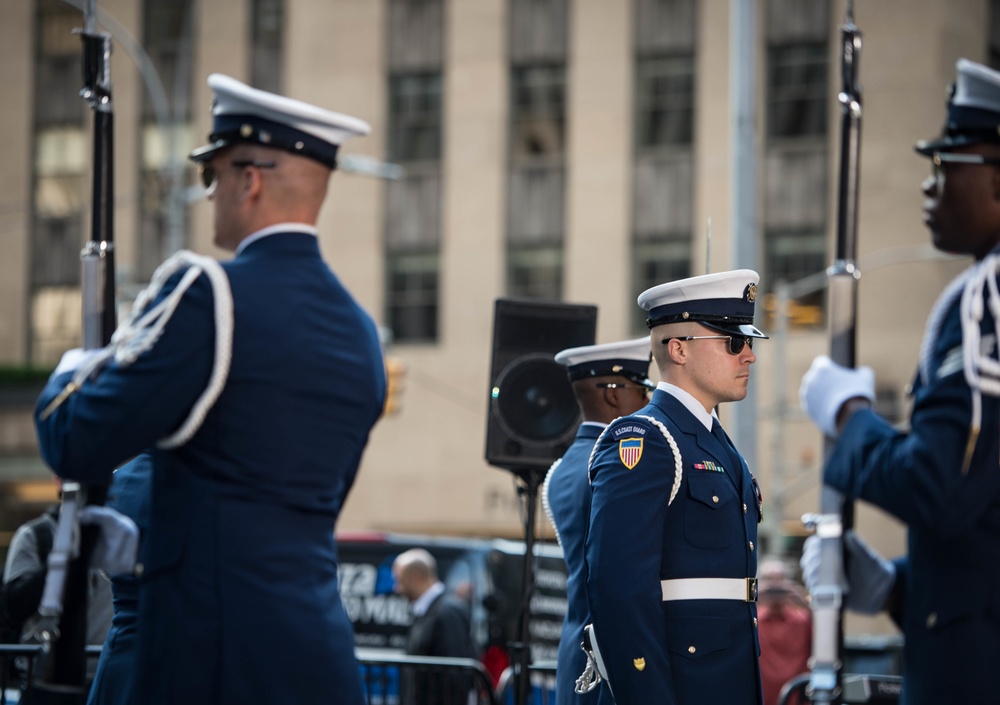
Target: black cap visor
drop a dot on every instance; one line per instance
(947, 143)
(204, 154)
(745, 329)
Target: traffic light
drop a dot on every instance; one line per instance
(395, 373)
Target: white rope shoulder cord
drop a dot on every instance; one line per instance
(678, 464)
(982, 371)
(142, 329)
(546, 507)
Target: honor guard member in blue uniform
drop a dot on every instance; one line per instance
(114, 681)
(609, 381)
(671, 552)
(255, 384)
(941, 477)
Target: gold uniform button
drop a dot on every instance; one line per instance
(754, 622)
(751, 546)
(691, 649)
(744, 507)
(715, 498)
(931, 619)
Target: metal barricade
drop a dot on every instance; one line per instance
(542, 679)
(19, 666)
(419, 680)
(387, 679)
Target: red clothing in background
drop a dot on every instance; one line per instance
(785, 645)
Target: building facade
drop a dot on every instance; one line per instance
(576, 150)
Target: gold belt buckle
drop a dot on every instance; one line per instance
(751, 589)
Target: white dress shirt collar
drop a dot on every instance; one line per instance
(689, 402)
(423, 603)
(278, 228)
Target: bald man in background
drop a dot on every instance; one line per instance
(440, 628)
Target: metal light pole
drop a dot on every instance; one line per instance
(742, 425)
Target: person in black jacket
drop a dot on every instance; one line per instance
(23, 582)
(440, 628)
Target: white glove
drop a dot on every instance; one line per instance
(809, 562)
(75, 358)
(117, 547)
(827, 385)
(870, 578)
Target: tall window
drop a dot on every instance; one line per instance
(166, 132)
(536, 182)
(663, 169)
(267, 25)
(61, 170)
(795, 162)
(413, 203)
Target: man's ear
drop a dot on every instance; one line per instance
(612, 397)
(250, 184)
(676, 351)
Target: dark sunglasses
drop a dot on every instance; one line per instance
(736, 342)
(209, 174)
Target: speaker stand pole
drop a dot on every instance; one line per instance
(521, 649)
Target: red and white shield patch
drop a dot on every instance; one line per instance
(630, 450)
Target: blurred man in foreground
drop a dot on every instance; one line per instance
(254, 385)
(942, 476)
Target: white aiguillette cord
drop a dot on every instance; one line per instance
(143, 328)
(981, 364)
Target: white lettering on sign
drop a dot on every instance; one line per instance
(551, 580)
(357, 579)
(544, 604)
(545, 630)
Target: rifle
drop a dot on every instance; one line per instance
(836, 514)
(62, 630)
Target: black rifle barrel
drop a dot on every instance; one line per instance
(64, 674)
(837, 514)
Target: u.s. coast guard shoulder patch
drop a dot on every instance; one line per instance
(630, 437)
(630, 451)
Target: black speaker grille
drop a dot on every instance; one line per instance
(533, 400)
(533, 413)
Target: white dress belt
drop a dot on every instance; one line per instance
(743, 589)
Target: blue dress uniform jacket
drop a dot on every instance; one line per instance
(566, 497)
(682, 651)
(114, 681)
(950, 607)
(239, 600)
